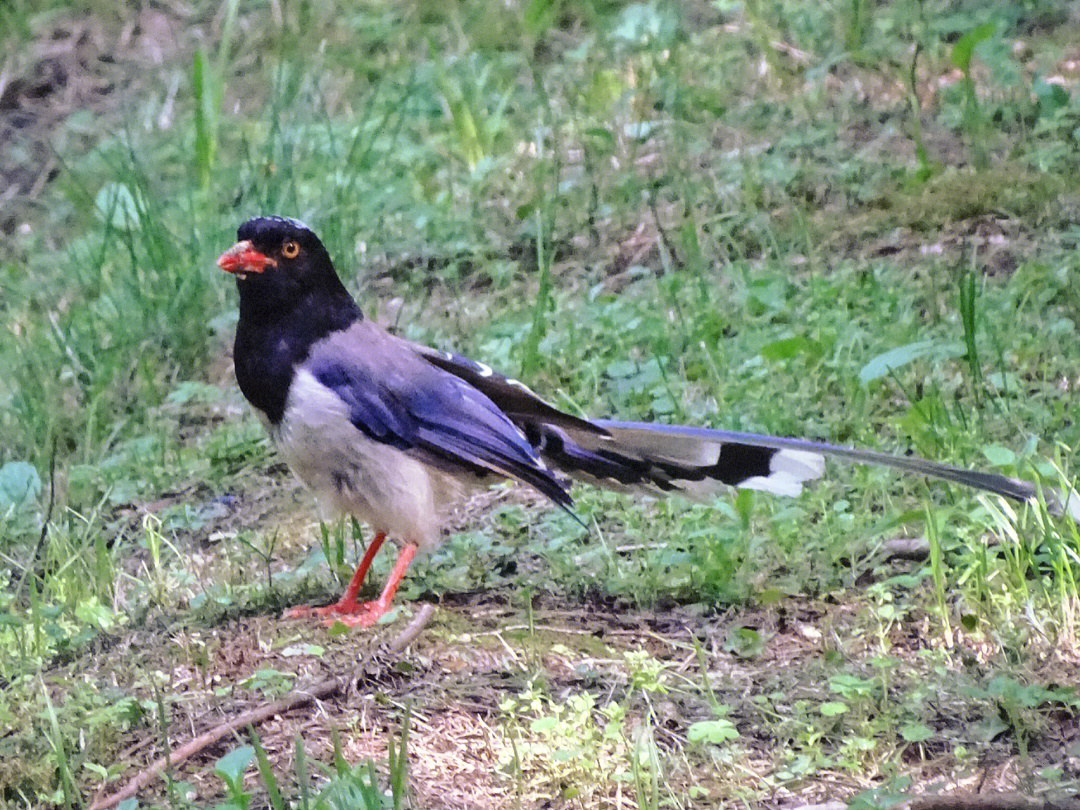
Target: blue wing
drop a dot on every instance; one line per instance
(396, 398)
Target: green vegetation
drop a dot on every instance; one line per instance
(843, 220)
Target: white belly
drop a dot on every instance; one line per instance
(348, 472)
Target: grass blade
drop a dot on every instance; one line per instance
(266, 771)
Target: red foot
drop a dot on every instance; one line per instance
(360, 614)
(352, 614)
(367, 614)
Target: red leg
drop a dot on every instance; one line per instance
(347, 603)
(367, 613)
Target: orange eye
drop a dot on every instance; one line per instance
(290, 250)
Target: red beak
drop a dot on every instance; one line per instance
(244, 258)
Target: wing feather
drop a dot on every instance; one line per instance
(513, 397)
(397, 398)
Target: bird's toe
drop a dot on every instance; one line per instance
(365, 614)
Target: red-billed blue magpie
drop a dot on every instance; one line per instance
(396, 434)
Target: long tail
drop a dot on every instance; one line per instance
(700, 462)
(697, 462)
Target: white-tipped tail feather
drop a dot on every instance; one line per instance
(788, 471)
(699, 462)
(1071, 505)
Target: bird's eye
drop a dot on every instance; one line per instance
(290, 250)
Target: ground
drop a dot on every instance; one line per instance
(848, 221)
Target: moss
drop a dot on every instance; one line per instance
(958, 194)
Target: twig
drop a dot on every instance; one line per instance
(413, 628)
(967, 801)
(253, 717)
(547, 628)
(42, 179)
(5, 75)
(32, 564)
(640, 547)
(796, 54)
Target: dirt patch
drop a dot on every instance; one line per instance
(997, 245)
(455, 682)
(887, 138)
(76, 66)
(998, 217)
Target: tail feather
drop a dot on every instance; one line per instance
(696, 462)
(699, 462)
(788, 470)
(650, 458)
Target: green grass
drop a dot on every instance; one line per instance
(771, 216)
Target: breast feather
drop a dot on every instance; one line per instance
(388, 488)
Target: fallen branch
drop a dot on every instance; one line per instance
(321, 690)
(412, 629)
(254, 717)
(906, 548)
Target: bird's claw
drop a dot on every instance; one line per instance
(368, 618)
(351, 614)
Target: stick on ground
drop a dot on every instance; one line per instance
(253, 717)
(321, 690)
(412, 629)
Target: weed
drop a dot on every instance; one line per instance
(571, 748)
(973, 116)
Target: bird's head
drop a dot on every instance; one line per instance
(278, 256)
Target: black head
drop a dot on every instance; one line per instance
(277, 260)
(290, 298)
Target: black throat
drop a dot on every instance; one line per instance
(275, 334)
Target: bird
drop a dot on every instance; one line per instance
(397, 434)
